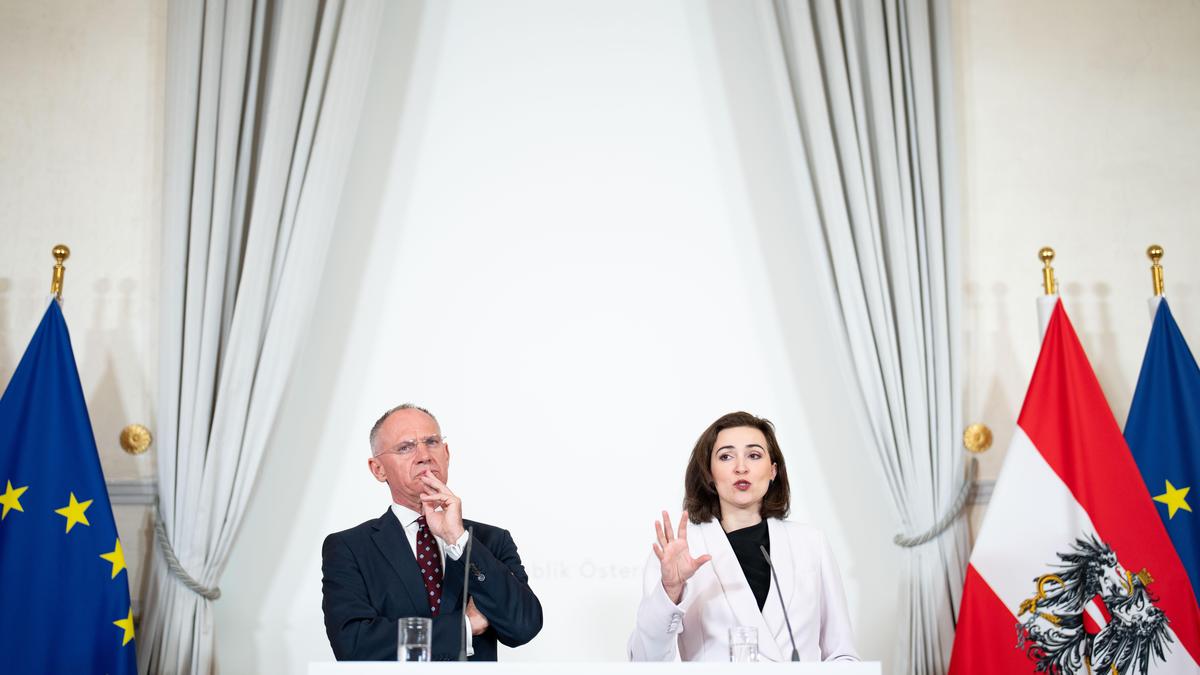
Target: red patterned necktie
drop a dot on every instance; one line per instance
(429, 559)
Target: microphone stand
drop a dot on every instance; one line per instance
(462, 650)
(786, 620)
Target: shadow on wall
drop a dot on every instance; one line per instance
(1100, 344)
(293, 460)
(7, 360)
(107, 327)
(802, 299)
(997, 409)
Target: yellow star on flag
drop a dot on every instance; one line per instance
(127, 624)
(117, 558)
(74, 512)
(1174, 499)
(11, 499)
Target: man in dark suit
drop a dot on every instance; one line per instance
(409, 561)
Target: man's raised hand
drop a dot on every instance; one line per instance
(445, 524)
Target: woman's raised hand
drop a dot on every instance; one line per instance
(677, 562)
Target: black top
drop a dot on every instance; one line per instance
(745, 543)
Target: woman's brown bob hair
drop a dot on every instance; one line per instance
(699, 491)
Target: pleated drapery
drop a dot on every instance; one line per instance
(870, 87)
(262, 107)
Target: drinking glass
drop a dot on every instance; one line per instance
(416, 635)
(743, 644)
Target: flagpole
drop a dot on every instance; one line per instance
(60, 253)
(1155, 254)
(1049, 298)
(1049, 284)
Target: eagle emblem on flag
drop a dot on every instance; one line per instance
(1091, 616)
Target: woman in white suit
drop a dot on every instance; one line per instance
(709, 575)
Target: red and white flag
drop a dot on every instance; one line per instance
(1096, 615)
(1073, 571)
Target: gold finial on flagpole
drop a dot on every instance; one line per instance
(60, 253)
(1046, 255)
(1155, 253)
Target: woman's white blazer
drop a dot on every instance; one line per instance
(718, 597)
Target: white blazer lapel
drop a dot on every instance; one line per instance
(785, 569)
(737, 590)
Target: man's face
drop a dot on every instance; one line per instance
(407, 446)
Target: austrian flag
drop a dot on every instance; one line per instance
(1073, 571)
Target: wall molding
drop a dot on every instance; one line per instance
(982, 493)
(136, 492)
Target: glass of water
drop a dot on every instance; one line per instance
(416, 635)
(743, 644)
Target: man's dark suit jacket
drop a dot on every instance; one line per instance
(370, 580)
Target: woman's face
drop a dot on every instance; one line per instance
(741, 468)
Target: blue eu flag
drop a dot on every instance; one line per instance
(1163, 432)
(64, 589)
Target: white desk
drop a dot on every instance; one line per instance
(607, 668)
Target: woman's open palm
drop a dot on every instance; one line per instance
(676, 560)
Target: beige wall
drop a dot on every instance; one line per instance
(81, 95)
(1079, 124)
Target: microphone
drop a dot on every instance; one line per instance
(786, 620)
(462, 649)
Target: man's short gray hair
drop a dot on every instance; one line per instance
(383, 418)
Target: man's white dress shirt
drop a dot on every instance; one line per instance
(408, 520)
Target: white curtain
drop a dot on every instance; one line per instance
(870, 86)
(263, 101)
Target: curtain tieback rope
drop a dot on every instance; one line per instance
(160, 534)
(956, 509)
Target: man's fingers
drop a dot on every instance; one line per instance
(432, 481)
(427, 476)
(436, 501)
(436, 486)
(442, 496)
